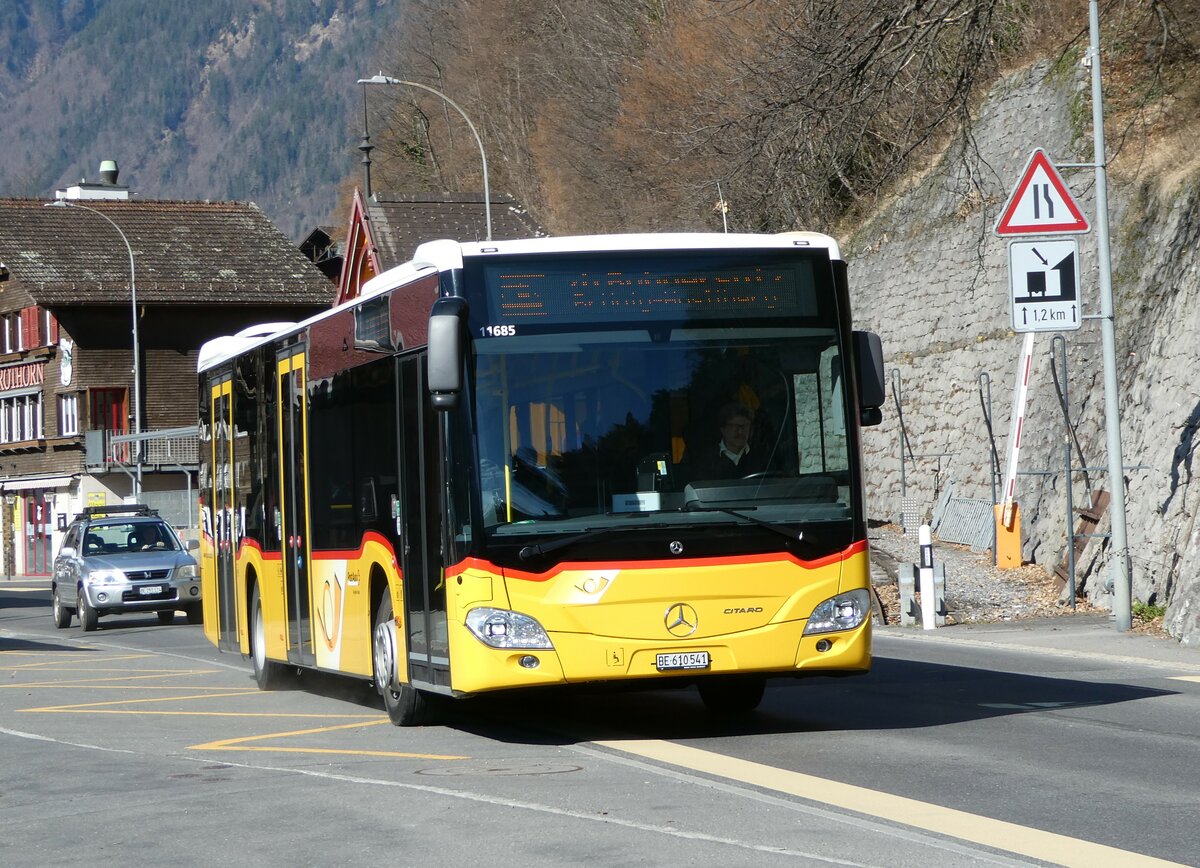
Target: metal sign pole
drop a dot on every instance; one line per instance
(1121, 580)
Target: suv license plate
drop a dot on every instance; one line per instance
(681, 660)
(147, 590)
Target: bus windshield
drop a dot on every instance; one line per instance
(579, 431)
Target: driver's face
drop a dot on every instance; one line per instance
(735, 433)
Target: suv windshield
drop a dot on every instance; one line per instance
(128, 538)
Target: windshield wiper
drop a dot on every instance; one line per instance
(794, 536)
(537, 549)
(544, 548)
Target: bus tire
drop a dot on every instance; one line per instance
(732, 694)
(406, 706)
(268, 674)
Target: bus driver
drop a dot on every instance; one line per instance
(731, 457)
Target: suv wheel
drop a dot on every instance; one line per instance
(88, 617)
(166, 616)
(62, 615)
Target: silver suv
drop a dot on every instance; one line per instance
(117, 559)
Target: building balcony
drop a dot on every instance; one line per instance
(164, 448)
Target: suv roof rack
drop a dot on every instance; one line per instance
(117, 509)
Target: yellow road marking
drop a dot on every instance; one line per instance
(45, 685)
(72, 655)
(998, 834)
(237, 744)
(87, 706)
(1195, 678)
(79, 682)
(66, 662)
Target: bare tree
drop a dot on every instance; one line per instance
(610, 115)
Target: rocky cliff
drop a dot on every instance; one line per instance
(930, 276)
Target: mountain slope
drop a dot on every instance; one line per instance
(226, 99)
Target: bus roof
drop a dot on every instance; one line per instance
(446, 255)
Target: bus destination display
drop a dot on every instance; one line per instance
(553, 295)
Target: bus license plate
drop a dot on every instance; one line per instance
(681, 660)
(147, 590)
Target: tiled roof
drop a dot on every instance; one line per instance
(188, 253)
(402, 221)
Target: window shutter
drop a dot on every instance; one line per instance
(29, 328)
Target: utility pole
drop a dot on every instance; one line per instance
(1121, 580)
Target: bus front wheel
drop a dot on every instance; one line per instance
(406, 706)
(268, 674)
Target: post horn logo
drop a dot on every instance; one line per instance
(681, 620)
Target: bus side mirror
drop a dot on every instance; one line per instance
(444, 371)
(868, 365)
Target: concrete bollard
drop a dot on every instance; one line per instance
(907, 579)
(928, 604)
(939, 594)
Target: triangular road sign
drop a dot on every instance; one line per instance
(1041, 204)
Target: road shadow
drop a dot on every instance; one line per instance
(896, 695)
(12, 644)
(12, 599)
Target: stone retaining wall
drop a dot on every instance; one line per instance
(931, 278)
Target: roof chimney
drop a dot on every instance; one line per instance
(108, 188)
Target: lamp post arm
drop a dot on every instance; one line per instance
(487, 198)
(137, 368)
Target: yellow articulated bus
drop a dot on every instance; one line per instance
(553, 461)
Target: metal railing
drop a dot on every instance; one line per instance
(163, 447)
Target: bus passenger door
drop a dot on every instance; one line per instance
(221, 501)
(293, 499)
(420, 526)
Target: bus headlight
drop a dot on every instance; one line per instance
(501, 628)
(842, 612)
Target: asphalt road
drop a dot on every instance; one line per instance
(140, 744)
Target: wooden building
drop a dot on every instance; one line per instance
(385, 228)
(200, 269)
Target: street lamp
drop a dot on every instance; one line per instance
(137, 373)
(487, 198)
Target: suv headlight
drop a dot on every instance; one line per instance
(501, 628)
(106, 577)
(842, 612)
(187, 571)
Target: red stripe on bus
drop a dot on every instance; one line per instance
(326, 554)
(567, 566)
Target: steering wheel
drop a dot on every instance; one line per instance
(767, 474)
